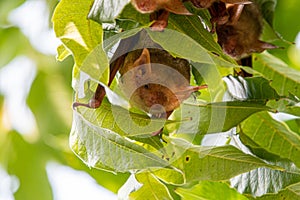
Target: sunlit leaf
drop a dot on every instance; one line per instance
(294, 125)
(62, 53)
(107, 10)
(273, 136)
(206, 190)
(104, 149)
(284, 79)
(286, 106)
(216, 117)
(152, 188)
(212, 163)
(193, 27)
(262, 181)
(82, 37)
(292, 192)
(121, 120)
(169, 175)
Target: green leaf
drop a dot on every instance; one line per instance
(216, 117)
(193, 27)
(104, 149)
(284, 79)
(211, 163)
(152, 188)
(188, 48)
(169, 175)
(121, 120)
(82, 37)
(206, 190)
(286, 106)
(292, 192)
(273, 136)
(107, 10)
(262, 181)
(62, 53)
(260, 89)
(294, 125)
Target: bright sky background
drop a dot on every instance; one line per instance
(67, 183)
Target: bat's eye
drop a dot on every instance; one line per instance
(146, 86)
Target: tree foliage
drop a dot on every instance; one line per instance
(225, 142)
(180, 164)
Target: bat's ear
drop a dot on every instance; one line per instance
(144, 58)
(144, 62)
(261, 46)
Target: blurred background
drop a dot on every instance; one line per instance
(35, 106)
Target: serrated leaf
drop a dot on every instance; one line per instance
(273, 136)
(107, 10)
(262, 181)
(104, 149)
(152, 188)
(206, 190)
(212, 163)
(292, 192)
(284, 79)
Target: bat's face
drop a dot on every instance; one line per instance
(156, 87)
(155, 99)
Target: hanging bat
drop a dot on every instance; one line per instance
(151, 78)
(239, 38)
(155, 81)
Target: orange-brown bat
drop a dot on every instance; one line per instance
(155, 81)
(151, 78)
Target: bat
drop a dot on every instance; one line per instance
(239, 38)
